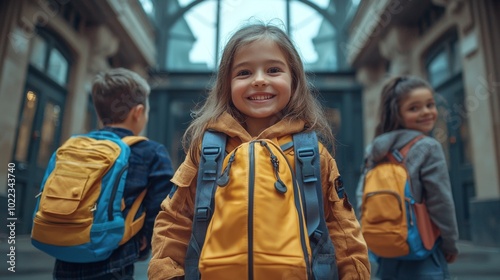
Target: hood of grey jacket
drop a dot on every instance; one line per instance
(387, 142)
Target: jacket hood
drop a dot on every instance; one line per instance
(230, 126)
(386, 142)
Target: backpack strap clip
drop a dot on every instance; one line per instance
(210, 155)
(306, 158)
(397, 156)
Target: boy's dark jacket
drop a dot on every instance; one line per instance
(173, 224)
(428, 171)
(149, 166)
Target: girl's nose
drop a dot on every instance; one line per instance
(259, 80)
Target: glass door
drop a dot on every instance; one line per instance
(37, 138)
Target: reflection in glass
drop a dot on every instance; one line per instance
(25, 126)
(58, 67)
(50, 124)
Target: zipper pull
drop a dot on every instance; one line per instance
(278, 185)
(410, 208)
(93, 208)
(224, 178)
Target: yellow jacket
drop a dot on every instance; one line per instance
(172, 229)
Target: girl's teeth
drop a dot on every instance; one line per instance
(260, 97)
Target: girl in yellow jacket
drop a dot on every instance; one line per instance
(261, 92)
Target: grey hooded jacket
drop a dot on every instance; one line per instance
(430, 180)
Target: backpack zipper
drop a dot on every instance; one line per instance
(113, 193)
(393, 193)
(278, 185)
(224, 177)
(251, 182)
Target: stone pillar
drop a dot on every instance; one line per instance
(396, 46)
(372, 78)
(103, 45)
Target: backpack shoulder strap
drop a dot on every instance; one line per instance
(308, 170)
(398, 156)
(131, 140)
(130, 230)
(213, 150)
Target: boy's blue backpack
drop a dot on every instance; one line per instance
(78, 216)
(393, 224)
(258, 193)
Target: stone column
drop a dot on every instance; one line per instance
(396, 47)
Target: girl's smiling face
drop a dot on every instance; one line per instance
(261, 83)
(418, 110)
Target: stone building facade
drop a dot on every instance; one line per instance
(50, 52)
(454, 45)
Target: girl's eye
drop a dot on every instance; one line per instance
(274, 70)
(431, 105)
(413, 108)
(243, 73)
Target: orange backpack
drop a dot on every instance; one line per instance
(393, 224)
(82, 196)
(258, 219)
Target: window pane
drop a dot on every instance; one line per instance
(51, 121)
(192, 45)
(438, 69)
(314, 37)
(38, 53)
(456, 56)
(26, 124)
(58, 67)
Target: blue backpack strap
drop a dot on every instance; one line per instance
(308, 173)
(213, 149)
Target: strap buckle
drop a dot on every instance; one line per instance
(210, 155)
(203, 214)
(306, 157)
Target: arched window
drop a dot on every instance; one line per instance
(192, 33)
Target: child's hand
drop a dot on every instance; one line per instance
(143, 252)
(144, 243)
(450, 258)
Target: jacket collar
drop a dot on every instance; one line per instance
(230, 126)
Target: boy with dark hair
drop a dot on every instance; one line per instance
(120, 97)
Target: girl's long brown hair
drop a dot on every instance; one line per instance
(302, 105)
